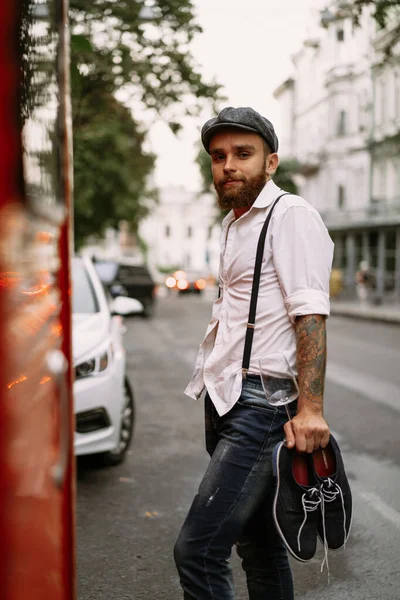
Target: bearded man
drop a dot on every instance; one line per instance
(233, 505)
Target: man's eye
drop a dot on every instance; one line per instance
(244, 154)
(218, 157)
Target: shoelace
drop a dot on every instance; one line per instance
(310, 501)
(328, 493)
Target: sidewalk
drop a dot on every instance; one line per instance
(387, 313)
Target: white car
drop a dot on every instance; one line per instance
(103, 397)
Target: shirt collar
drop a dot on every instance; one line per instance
(267, 195)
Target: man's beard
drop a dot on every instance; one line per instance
(243, 194)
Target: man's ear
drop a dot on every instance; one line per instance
(272, 163)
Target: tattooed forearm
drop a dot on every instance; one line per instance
(311, 358)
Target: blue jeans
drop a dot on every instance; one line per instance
(234, 505)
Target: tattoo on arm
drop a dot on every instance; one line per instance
(311, 358)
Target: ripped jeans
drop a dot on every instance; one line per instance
(233, 505)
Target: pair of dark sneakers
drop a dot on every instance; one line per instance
(312, 499)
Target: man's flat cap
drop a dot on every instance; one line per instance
(244, 118)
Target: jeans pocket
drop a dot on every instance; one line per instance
(253, 396)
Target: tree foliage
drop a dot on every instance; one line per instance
(143, 46)
(114, 47)
(111, 168)
(203, 161)
(387, 15)
(284, 175)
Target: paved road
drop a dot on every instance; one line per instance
(129, 516)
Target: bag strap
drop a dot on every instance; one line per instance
(254, 291)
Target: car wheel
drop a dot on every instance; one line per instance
(115, 457)
(148, 311)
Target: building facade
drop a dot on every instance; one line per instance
(183, 232)
(341, 123)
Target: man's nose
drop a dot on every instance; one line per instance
(229, 164)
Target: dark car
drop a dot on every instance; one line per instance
(132, 280)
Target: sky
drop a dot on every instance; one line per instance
(246, 45)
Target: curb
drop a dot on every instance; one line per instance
(369, 314)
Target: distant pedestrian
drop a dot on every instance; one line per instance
(234, 501)
(362, 282)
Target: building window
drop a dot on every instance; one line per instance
(167, 231)
(341, 130)
(189, 232)
(210, 230)
(340, 35)
(390, 257)
(341, 197)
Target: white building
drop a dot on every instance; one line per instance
(183, 231)
(341, 122)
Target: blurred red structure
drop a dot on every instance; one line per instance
(37, 495)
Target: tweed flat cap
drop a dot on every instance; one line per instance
(243, 118)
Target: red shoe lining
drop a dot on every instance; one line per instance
(300, 469)
(324, 462)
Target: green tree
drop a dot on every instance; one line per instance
(284, 175)
(114, 47)
(203, 161)
(144, 47)
(387, 15)
(110, 167)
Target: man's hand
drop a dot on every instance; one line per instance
(307, 431)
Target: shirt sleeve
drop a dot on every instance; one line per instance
(302, 251)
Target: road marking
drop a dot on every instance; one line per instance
(369, 386)
(339, 338)
(386, 511)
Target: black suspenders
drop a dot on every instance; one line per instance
(254, 291)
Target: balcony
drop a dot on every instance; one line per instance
(341, 70)
(387, 133)
(313, 163)
(376, 214)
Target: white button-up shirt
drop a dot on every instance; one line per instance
(294, 281)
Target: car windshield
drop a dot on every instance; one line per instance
(127, 271)
(107, 271)
(83, 296)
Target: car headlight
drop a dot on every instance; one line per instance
(92, 366)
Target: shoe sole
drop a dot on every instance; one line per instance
(275, 459)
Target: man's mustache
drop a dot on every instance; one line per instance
(229, 179)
